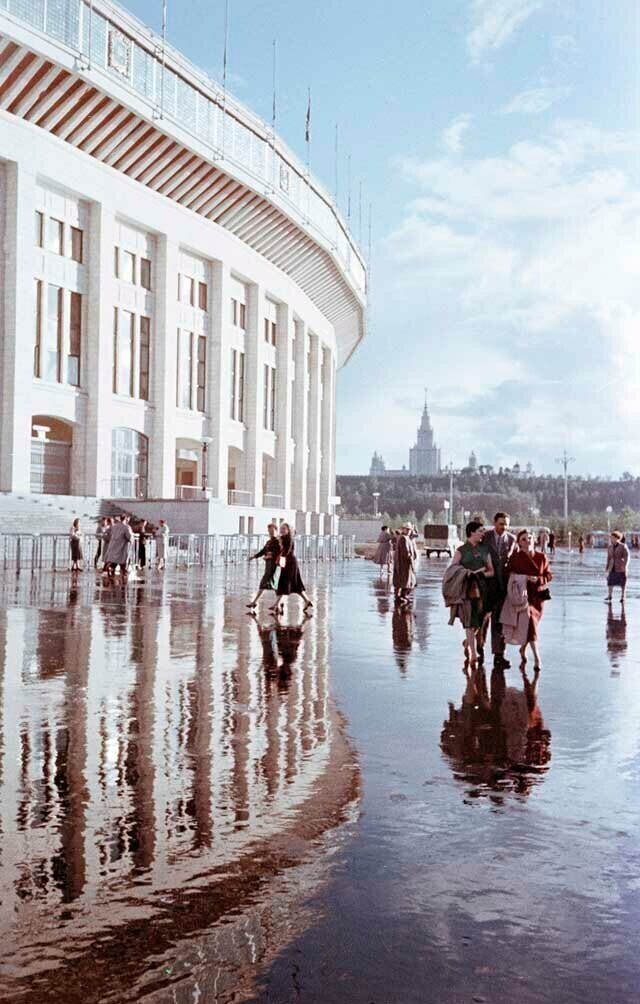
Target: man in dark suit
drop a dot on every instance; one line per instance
(501, 543)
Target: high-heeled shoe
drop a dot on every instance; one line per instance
(308, 604)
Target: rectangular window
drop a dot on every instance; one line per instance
(55, 236)
(202, 295)
(202, 372)
(127, 266)
(144, 353)
(75, 340)
(272, 413)
(185, 356)
(273, 332)
(189, 290)
(234, 381)
(53, 335)
(39, 229)
(145, 273)
(241, 387)
(242, 319)
(76, 244)
(266, 329)
(123, 353)
(265, 399)
(234, 311)
(116, 262)
(38, 324)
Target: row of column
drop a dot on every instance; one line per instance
(305, 374)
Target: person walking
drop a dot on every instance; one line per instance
(500, 543)
(120, 537)
(100, 532)
(162, 543)
(290, 580)
(383, 554)
(75, 545)
(580, 544)
(474, 556)
(617, 562)
(143, 536)
(270, 552)
(552, 542)
(529, 575)
(404, 566)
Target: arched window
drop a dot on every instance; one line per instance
(129, 464)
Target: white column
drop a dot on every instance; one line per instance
(218, 377)
(327, 444)
(300, 418)
(315, 406)
(164, 348)
(18, 329)
(253, 393)
(284, 403)
(97, 365)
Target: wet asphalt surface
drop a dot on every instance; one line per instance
(198, 806)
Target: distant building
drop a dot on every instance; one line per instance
(473, 461)
(424, 457)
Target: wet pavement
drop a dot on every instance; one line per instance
(197, 807)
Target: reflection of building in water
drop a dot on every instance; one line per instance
(497, 741)
(616, 638)
(142, 742)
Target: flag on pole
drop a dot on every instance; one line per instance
(273, 110)
(307, 132)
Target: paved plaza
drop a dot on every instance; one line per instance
(197, 806)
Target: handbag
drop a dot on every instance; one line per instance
(282, 561)
(544, 594)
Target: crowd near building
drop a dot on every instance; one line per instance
(179, 292)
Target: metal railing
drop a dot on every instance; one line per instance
(187, 493)
(51, 551)
(277, 501)
(237, 497)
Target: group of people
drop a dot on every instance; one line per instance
(119, 544)
(497, 579)
(281, 571)
(397, 549)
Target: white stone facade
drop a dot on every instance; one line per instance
(149, 352)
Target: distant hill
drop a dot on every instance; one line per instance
(486, 493)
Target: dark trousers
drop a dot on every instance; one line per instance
(497, 637)
(98, 553)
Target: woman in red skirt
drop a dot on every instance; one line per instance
(533, 564)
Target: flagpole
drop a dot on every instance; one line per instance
(360, 213)
(335, 157)
(273, 110)
(349, 189)
(225, 56)
(308, 140)
(164, 55)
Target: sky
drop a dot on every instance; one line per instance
(497, 142)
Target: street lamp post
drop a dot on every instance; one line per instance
(446, 506)
(565, 460)
(609, 510)
(376, 496)
(466, 515)
(205, 465)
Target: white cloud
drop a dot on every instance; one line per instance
(535, 100)
(452, 135)
(532, 256)
(493, 22)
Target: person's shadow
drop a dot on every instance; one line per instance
(616, 640)
(497, 741)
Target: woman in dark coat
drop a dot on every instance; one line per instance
(270, 552)
(75, 543)
(290, 580)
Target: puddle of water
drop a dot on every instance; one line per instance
(195, 806)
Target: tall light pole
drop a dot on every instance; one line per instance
(609, 510)
(376, 496)
(206, 440)
(565, 460)
(451, 486)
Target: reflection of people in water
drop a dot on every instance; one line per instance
(497, 740)
(402, 627)
(616, 638)
(381, 591)
(280, 645)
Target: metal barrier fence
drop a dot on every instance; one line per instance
(51, 551)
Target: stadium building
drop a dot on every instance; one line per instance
(178, 291)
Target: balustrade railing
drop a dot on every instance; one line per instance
(272, 501)
(51, 551)
(237, 497)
